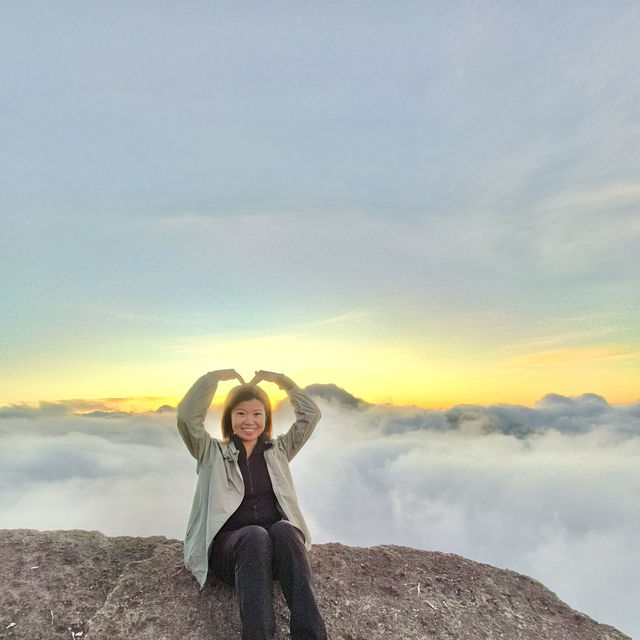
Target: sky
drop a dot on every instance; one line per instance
(550, 491)
(435, 206)
(426, 204)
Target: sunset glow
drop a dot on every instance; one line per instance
(434, 206)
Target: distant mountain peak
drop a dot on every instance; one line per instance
(335, 394)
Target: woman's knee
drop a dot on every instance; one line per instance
(284, 532)
(254, 538)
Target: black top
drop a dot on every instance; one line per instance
(259, 505)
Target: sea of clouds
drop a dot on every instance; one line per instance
(551, 491)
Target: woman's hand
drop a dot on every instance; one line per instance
(228, 374)
(269, 376)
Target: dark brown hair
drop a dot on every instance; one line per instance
(240, 394)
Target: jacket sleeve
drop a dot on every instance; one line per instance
(192, 410)
(307, 416)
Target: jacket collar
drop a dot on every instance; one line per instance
(231, 449)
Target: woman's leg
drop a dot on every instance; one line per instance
(245, 557)
(293, 570)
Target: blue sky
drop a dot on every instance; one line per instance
(427, 203)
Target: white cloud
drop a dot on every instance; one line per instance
(550, 491)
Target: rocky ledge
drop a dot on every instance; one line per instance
(82, 585)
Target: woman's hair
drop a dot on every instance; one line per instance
(240, 394)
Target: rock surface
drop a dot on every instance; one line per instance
(83, 585)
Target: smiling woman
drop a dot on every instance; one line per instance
(245, 525)
(247, 416)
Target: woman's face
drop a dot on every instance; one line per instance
(248, 420)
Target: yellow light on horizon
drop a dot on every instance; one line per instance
(380, 372)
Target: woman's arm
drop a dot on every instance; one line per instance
(192, 410)
(306, 411)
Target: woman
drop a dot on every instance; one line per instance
(245, 524)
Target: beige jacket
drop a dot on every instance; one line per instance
(220, 488)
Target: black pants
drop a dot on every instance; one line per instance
(251, 558)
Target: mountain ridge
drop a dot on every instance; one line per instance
(92, 587)
(333, 393)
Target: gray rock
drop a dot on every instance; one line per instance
(83, 585)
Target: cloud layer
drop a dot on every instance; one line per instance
(550, 491)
